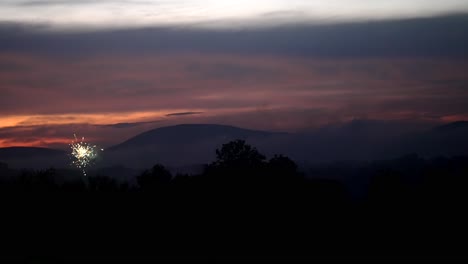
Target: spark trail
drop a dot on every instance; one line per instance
(83, 154)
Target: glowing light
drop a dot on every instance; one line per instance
(83, 154)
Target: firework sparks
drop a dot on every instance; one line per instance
(83, 154)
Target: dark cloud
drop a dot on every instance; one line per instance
(10, 66)
(436, 36)
(184, 113)
(128, 125)
(462, 84)
(234, 72)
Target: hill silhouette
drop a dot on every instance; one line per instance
(189, 134)
(447, 140)
(362, 140)
(188, 146)
(458, 125)
(180, 145)
(34, 157)
(28, 152)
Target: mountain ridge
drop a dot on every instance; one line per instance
(452, 126)
(186, 144)
(183, 131)
(21, 151)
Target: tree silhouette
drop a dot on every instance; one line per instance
(102, 184)
(42, 180)
(4, 171)
(388, 187)
(155, 178)
(282, 169)
(236, 163)
(241, 195)
(238, 153)
(74, 186)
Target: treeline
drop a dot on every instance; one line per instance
(240, 167)
(244, 204)
(237, 165)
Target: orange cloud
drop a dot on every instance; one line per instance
(267, 92)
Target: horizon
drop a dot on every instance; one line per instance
(188, 146)
(412, 128)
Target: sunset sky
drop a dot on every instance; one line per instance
(111, 69)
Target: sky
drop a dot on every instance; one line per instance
(214, 13)
(111, 69)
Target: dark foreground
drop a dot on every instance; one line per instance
(241, 207)
(232, 224)
(117, 228)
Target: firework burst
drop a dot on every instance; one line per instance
(83, 154)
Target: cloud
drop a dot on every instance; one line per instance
(184, 113)
(124, 90)
(392, 38)
(92, 14)
(59, 136)
(121, 81)
(128, 125)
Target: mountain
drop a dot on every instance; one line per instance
(450, 139)
(454, 126)
(189, 134)
(33, 157)
(185, 145)
(181, 145)
(183, 148)
(355, 140)
(27, 152)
